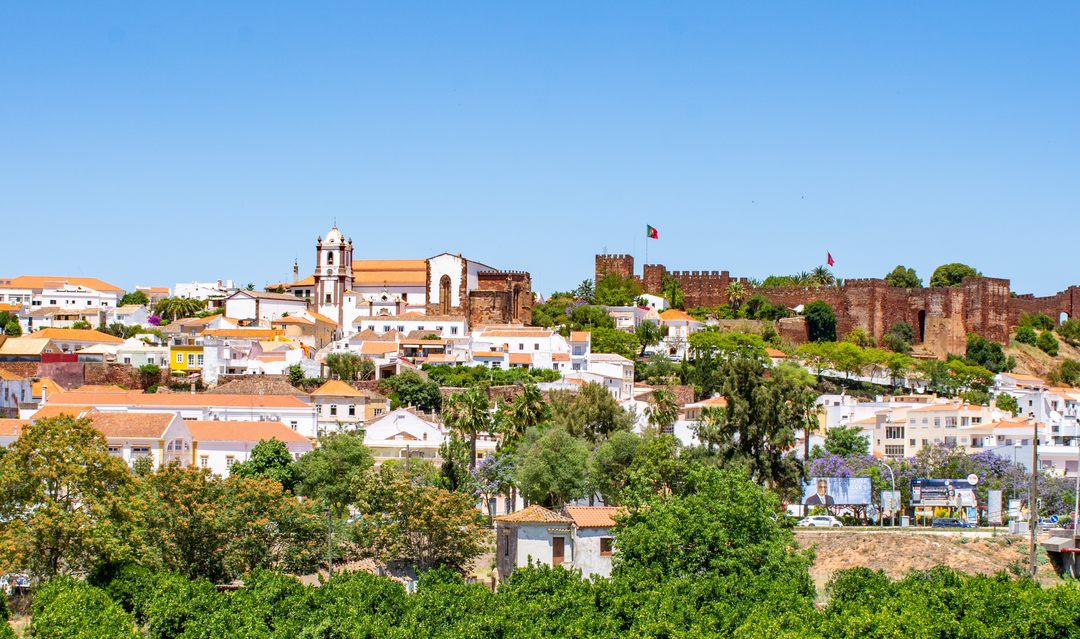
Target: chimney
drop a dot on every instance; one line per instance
(296, 271)
(192, 387)
(44, 393)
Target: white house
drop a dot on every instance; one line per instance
(59, 292)
(130, 315)
(614, 366)
(220, 444)
(204, 291)
(405, 433)
(13, 390)
(591, 539)
(447, 326)
(162, 436)
(138, 353)
(680, 327)
(532, 535)
(247, 305)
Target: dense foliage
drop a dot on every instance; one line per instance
(903, 278)
(820, 321)
(469, 376)
(952, 274)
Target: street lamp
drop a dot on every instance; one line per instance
(892, 479)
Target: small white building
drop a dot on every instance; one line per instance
(138, 353)
(220, 444)
(164, 437)
(614, 366)
(251, 305)
(591, 540)
(204, 291)
(130, 315)
(13, 390)
(532, 535)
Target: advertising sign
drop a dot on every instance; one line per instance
(890, 500)
(1014, 509)
(956, 493)
(837, 491)
(993, 507)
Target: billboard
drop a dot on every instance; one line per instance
(943, 492)
(993, 507)
(837, 491)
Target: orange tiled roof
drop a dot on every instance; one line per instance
(37, 281)
(579, 336)
(242, 332)
(11, 377)
(337, 388)
(177, 399)
(55, 410)
(772, 352)
(560, 357)
(136, 425)
(11, 427)
(75, 334)
(54, 387)
(487, 354)
(95, 388)
(521, 358)
(228, 431)
(378, 348)
(535, 515)
(307, 281)
(592, 517)
(676, 314)
(934, 407)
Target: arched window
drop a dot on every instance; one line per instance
(329, 258)
(517, 299)
(444, 295)
(178, 450)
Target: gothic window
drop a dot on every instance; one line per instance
(444, 295)
(329, 258)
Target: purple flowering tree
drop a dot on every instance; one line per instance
(154, 319)
(494, 476)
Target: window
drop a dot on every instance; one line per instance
(419, 328)
(127, 360)
(911, 442)
(179, 358)
(200, 360)
(229, 461)
(318, 409)
(453, 330)
(53, 302)
(150, 360)
(400, 329)
(937, 422)
(925, 442)
(333, 409)
(950, 422)
(950, 441)
(605, 546)
(1031, 403)
(506, 545)
(292, 425)
(521, 347)
(204, 461)
(964, 421)
(894, 432)
(894, 451)
(536, 346)
(352, 410)
(925, 422)
(386, 329)
(327, 298)
(329, 258)
(976, 420)
(378, 411)
(912, 421)
(439, 328)
(115, 451)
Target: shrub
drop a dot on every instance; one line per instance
(1070, 331)
(1037, 321)
(1047, 343)
(1026, 335)
(121, 581)
(68, 609)
(820, 321)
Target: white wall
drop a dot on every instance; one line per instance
(450, 265)
(240, 307)
(216, 453)
(587, 552)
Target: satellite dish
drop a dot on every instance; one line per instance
(1055, 416)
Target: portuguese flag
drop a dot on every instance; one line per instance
(651, 233)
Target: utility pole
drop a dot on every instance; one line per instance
(329, 543)
(1034, 495)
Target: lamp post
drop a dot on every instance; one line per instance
(892, 479)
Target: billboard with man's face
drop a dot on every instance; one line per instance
(837, 491)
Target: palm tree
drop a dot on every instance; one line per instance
(802, 278)
(735, 292)
(663, 410)
(172, 308)
(529, 409)
(467, 412)
(822, 276)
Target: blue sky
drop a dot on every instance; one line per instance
(151, 143)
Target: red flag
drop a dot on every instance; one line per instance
(831, 261)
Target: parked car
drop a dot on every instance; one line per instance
(951, 522)
(820, 520)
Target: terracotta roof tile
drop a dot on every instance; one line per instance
(592, 517)
(521, 358)
(11, 377)
(93, 388)
(675, 314)
(37, 281)
(12, 427)
(378, 348)
(535, 514)
(337, 388)
(230, 431)
(75, 334)
(35, 388)
(178, 399)
(560, 357)
(136, 425)
(579, 336)
(488, 354)
(256, 333)
(55, 410)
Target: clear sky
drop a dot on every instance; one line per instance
(156, 142)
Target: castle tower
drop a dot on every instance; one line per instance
(333, 274)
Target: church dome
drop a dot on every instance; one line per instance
(334, 237)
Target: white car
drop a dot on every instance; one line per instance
(820, 520)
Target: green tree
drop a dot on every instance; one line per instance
(820, 321)
(551, 466)
(725, 527)
(1038, 321)
(271, 459)
(344, 366)
(845, 441)
(903, 278)
(1047, 344)
(1067, 373)
(65, 503)
(610, 340)
(849, 358)
(138, 298)
(412, 390)
(587, 318)
(585, 292)
(952, 274)
(329, 472)
(608, 468)
(12, 328)
(822, 276)
(423, 526)
(663, 410)
(68, 609)
(529, 409)
(591, 413)
(616, 290)
(648, 334)
(672, 290)
(173, 308)
(468, 413)
(1007, 402)
(1026, 335)
(817, 355)
(1070, 331)
(735, 293)
(983, 352)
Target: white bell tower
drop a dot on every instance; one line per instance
(333, 274)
